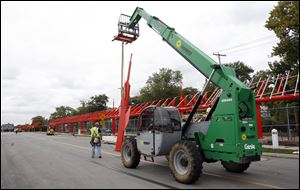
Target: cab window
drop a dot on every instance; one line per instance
(146, 119)
(167, 120)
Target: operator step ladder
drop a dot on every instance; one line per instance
(126, 34)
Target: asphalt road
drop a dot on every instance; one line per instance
(34, 160)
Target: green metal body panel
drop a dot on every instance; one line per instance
(232, 133)
(229, 137)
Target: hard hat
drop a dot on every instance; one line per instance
(97, 124)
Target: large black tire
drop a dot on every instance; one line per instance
(185, 162)
(235, 167)
(129, 154)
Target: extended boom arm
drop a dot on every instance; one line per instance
(224, 77)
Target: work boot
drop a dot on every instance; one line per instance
(100, 156)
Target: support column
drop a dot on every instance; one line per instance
(63, 128)
(56, 127)
(113, 126)
(82, 127)
(259, 121)
(71, 127)
(124, 111)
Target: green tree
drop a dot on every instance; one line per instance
(97, 103)
(82, 109)
(185, 91)
(243, 73)
(135, 100)
(161, 85)
(62, 111)
(189, 91)
(242, 70)
(42, 122)
(284, 21)
(38, 118)
(263, 74)
(258, 77)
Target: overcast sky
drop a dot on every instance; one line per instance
(58, 53)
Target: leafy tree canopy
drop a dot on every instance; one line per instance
(284, 21)
(242, 70)
(39, 119)
(161, 85)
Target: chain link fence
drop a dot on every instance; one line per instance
(284, 119)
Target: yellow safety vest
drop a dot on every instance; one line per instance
(94, 132)
(208, 110)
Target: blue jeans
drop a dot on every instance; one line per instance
(96, 148)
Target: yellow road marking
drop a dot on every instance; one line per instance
(207, 173)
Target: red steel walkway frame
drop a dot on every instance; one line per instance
(276, 92)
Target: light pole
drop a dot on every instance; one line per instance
(122, 68)
(125, 35)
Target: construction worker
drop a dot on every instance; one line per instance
(208, 109)
(96, 140)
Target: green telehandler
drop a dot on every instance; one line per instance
(228, 133)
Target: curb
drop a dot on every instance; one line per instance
(291, 156)
(295, 148)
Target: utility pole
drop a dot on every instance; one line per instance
(219, 56)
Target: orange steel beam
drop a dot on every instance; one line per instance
(124, 111)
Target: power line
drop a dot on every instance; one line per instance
(247, 43)
(240, 45)
(257, 45)
(234, 47)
